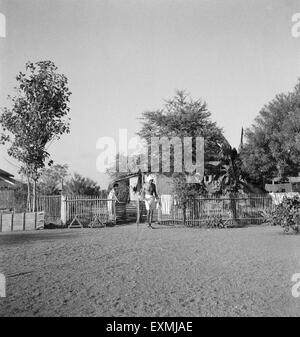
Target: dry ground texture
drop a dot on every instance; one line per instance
(135, 271)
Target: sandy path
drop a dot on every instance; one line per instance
(136, 271)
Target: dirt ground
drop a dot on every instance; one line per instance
(135, 271)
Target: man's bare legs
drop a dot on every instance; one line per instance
(149, 217)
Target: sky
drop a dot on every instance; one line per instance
(123, 57)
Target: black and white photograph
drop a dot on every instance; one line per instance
(149, 161)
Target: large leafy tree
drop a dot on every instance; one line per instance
(272, 147)
(36, 117)
(182, 116)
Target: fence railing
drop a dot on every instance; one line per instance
(243, 209)
(51, 204)
(63, 209)
(87, 209)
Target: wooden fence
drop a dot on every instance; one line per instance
(51, 206)
(86, 209)
(12, 221)
(90, 208)
(249, 209)
(246, 209)
(240, 208)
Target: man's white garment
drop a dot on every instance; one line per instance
(110, 203)
(150, 202)
(166, 201)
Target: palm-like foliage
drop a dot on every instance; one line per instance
(227, 174)
(80, 185)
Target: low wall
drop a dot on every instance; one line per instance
(11, 222)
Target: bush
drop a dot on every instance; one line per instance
(215, 222)
(286, 215)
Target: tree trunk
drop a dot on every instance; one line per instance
(34, 196)
(28, 206)
(280, 170)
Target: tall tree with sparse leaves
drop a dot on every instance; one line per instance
(38, 115)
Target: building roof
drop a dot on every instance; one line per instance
(4, 173)
(6, 179)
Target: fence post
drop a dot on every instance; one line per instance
(35, 219)
(63, 210)
(0, 221)
(114, 205)
(137, 211)
(12, 221)
(24, 220)
(159, 213)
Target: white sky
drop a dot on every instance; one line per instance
(125, 57)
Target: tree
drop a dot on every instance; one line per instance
(37, 116)
(228, 173)
(272, 147)
(52, 179)
(80, 185)
(182, 116)
(131, 167)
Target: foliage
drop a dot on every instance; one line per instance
(286, 214)
(186, 191)
(80, 185)
(215, 222)
(20, 194)
(37, 116)
(272, 147)
(228, 176)
(181, 116)
(131, 167)
(52, 178)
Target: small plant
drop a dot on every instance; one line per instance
(286, 214)
(215, 222)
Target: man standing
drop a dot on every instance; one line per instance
(112, 199)
(150, 195)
